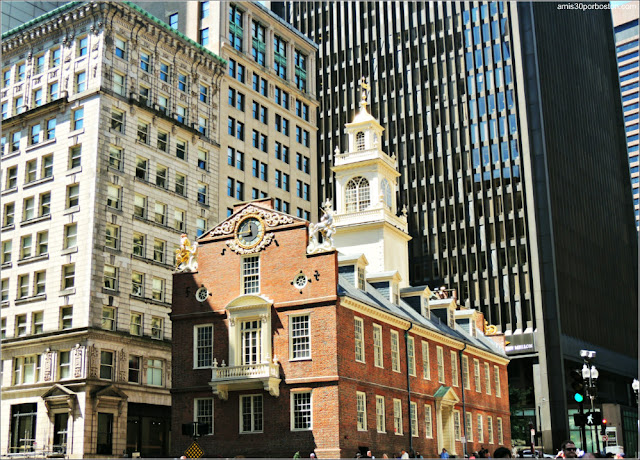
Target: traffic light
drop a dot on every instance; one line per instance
(577, 385)
(603, 430)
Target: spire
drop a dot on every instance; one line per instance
(363, 115)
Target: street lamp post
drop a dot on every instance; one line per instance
(590, 374)
(636, 387)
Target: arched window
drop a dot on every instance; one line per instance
(357, 194)
(360, 141)
(386, 192)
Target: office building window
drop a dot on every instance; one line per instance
(235, 27)
(66, 317)
(135, 363)
(135, 324)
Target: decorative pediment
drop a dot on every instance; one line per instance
(271, 218)
(58, 390)
(110, 397)
(446, 395)
(60, 397)
(111, 391)
(248, 301)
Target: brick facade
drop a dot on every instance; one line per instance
(332, 374)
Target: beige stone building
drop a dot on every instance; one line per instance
(109, 152)
(268, 103)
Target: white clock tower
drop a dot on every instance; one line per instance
(366, 217)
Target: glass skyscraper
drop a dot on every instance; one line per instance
(625, 22)
(507, 125)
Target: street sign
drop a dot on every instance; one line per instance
(605, 438)
(194, 451)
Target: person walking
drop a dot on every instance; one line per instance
(444, 453)
(404, 454)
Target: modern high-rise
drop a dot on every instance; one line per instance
(102, 171)
(625, 23)
(506, 121)
(267, 105)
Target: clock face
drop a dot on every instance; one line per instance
(250, 232)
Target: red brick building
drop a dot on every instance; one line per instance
(283, 344)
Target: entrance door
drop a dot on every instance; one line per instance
(23, 427)
(105, 434)
(61, 421)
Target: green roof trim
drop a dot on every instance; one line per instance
(441, 392)
(44, 17)
(173, 31)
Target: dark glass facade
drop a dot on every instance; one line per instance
(506, 122)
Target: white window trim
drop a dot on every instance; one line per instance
(412, 356)
(455, 377)
(240, 415)
(466, 382)
(487, 378)
(297, 315)
(378, 353)
(361, 396)
(243, 292)
(440, 359)
(399, 432)
(413, 419)
(395, 352)
(292, 410)
(490, 429)
(426, 361)
(469, 426)
(480, 422)
(384, 417)
(428, 414)
(195, 345)
(195, 412)
(496, 377)
(361, 340)
(477, 377)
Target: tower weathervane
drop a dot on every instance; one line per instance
(365, 87)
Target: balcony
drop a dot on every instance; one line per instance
(374, 214)
(246, 377)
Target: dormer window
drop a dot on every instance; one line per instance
(357, 194)
(361, 278)
(360, 141)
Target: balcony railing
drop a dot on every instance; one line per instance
(247, 371)
(248, 376)
(371, 215)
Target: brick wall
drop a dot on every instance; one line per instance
(332, 374)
